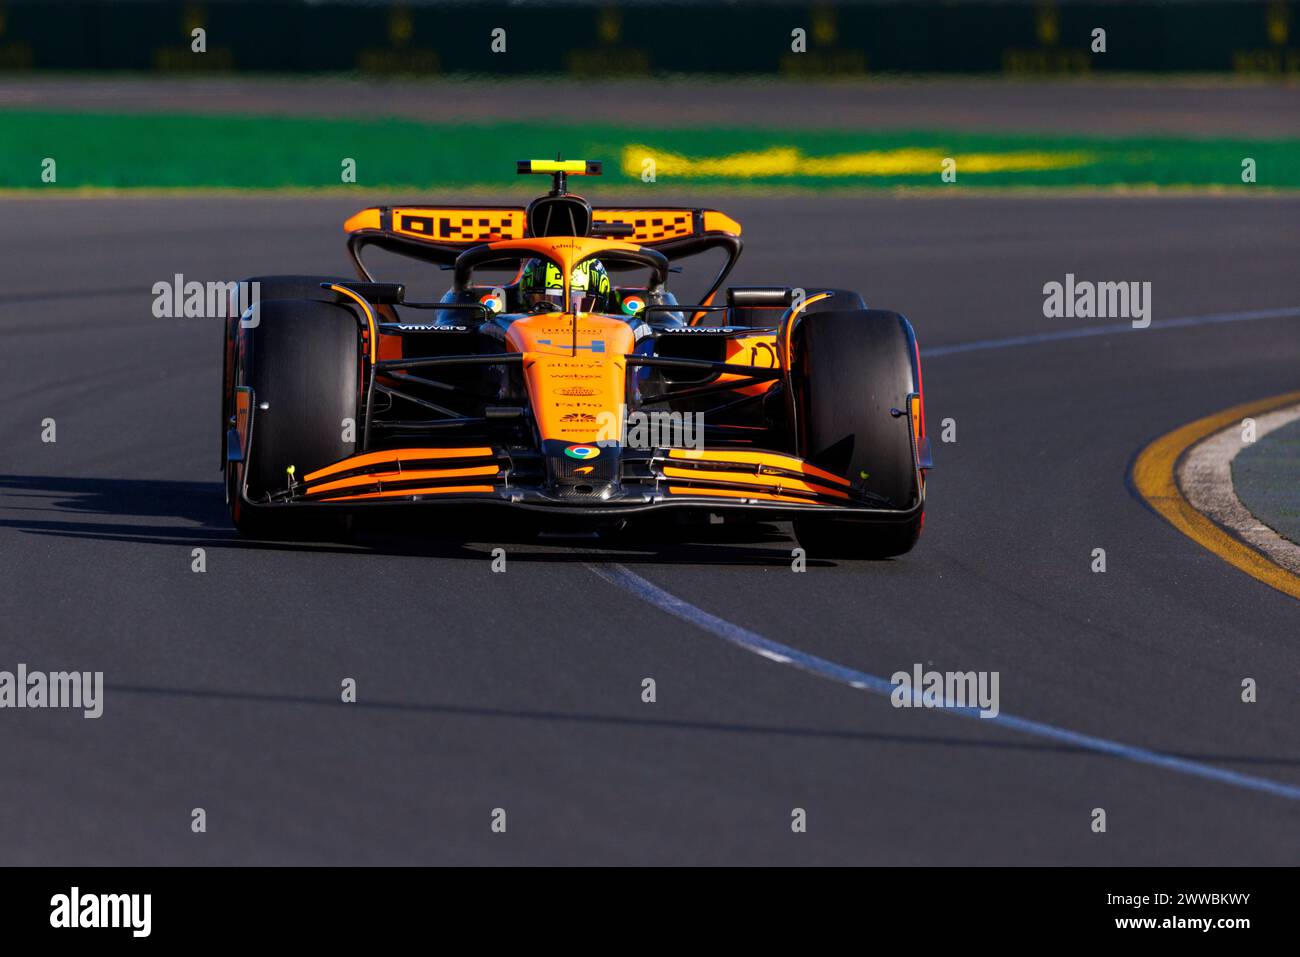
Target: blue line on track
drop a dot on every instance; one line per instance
(784, 654)
(753, 642)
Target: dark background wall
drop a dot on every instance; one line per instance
(644, 38)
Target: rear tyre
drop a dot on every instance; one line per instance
(853, 369)
(303, 363)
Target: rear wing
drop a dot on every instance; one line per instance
(438, 234)
(441, 233)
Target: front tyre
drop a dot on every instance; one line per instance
(302, 362)
(854, 369)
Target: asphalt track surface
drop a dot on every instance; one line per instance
(1096, 105)
(522, 690)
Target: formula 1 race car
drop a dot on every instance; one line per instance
(552, 388)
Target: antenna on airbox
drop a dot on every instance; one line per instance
(560, 171)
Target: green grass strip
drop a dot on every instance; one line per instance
(167, 151)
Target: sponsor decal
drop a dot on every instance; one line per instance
(493, 302)
(597, 345)
(582, 452)
(577, 390)
(633, 304)
(708, 330)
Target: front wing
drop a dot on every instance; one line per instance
(712, 480)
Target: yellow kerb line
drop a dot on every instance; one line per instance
(1155, 480)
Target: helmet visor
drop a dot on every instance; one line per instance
(536, 297)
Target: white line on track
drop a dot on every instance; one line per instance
(1110, 329)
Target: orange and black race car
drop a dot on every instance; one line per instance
(602, 402)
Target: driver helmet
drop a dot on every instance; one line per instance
(541, 282)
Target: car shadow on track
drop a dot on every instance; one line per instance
(1004, 743)
(166, 512)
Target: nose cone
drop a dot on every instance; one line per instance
(575, 368)
(576, 373)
